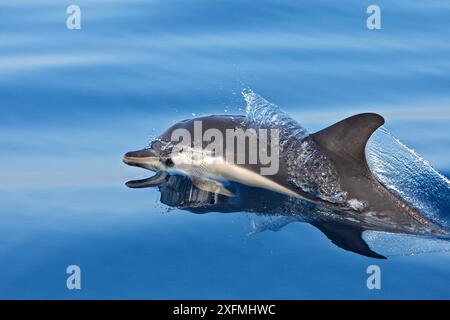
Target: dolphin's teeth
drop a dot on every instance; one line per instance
(156, 180)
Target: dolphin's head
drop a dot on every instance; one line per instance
(151, 158)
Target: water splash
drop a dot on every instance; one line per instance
(391, 244)
(264, 114)
(407, 174)
(308, 169)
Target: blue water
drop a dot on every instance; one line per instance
(73, 101)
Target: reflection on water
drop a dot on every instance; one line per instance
(274, 211)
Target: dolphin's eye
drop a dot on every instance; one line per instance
(169, 162)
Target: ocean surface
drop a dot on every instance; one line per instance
(72, 102)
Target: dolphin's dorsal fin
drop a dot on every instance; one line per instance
(345, 141)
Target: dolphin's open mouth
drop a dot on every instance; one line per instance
(153, 181)
(147, 159)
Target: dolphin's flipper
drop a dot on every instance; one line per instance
(212, 186)
(347, 237)
(156, 180)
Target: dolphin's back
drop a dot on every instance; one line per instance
(220, 122)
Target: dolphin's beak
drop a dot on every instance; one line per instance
(148, 159)
(145, 158)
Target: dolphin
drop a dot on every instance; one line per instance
(341, 146)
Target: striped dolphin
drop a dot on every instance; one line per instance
(332, 159)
